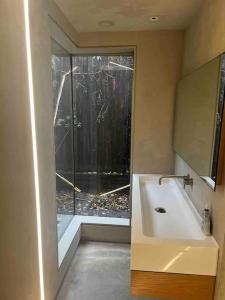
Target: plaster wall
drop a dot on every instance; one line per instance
(158, 60)
(18, 229)
(204, 40)
(43, 96)
(157, 70)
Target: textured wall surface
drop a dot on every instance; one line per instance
(158, 57)
(18, 229)
(42, 77)
(158, 60)
(204, 40)
(129, 15)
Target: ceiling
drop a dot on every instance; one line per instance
(129, 15)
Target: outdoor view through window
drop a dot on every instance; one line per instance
(92, 125)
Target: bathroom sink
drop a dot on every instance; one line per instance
(166, 231)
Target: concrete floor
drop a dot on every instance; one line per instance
(99, 271)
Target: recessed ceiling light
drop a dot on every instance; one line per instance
(106, 23)
(154, 18)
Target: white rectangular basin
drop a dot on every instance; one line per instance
(172, 241)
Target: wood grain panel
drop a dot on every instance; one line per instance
(172, 286)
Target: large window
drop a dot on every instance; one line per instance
(102, 93)
(92, 126)
(63, 129)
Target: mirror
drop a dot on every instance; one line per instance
(198, 120)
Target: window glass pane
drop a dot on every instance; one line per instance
(63, 130)
(102, 96)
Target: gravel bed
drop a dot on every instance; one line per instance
(112, 205)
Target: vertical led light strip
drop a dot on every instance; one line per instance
(34, 147)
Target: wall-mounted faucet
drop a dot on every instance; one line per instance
(187, 179)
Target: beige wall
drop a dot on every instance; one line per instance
(158, 64)
(157, 71)
(55, 14)
(18, 225)
(42, 76)
(204, 40)
(158, 60)
(18, 229)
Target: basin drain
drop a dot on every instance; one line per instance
(160, 210)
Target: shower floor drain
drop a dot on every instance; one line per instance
(160, 210)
